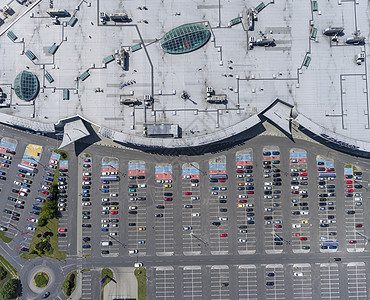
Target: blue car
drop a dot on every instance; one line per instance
(2, 173)
(332, 247)
(270, 274)
(61, 179)
(22, 171)
(104, 229)
(49, 179)
(214, 188)
(85, 195)
(250, 187)
(86, 246)
(141, 242)
(36, 207)
(25, 184)
(241, 188)
(35, 212)
(6, 161)
(84, 191)
(105, 191)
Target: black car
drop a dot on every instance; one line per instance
(12, 199)
(114, 220)
(276, 183)
(350, 212)
(63, 196)
(132, 177)
(267, 192)
(294, 174)
(160, 206)
(276, 170)
(303, 183)
(322, 203)
(323, 195)
(141, 177)
(276, 175)
(131, 224)
(132, 212)
(303, 204)
(324, 225)
(61, 234)
(331, 217)
(217, 223)
(15, 218)
(249, 167)
(132, 186)
(194, 180)
(277, 192)
(332, 233)
(16, 214)
(250, 222)
(294, 183)
(223, 201)
(86, 187)
(358, 186)
(167, 194)
(277, 179)
(2, 177)
(158, 215)
(114, 203)
(250, 214)
(84, 199)
(86, 239)
(47, 294)
(296, 213)
(86, 225)
(358, 173)
(19, 206)
(105, 252)
(337, 259)
(267, 167)
(249, 209)
(268, 217)
(141, 198)
(15, 191)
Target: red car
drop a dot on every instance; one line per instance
(114, 212)
(188, 193)
(278, 226)
(358, 225)
(250, 192)
(349, 181)
(350, 186)
(303, 239)
(240, 171)
(350, 191)
(295, 192)
(223, 235)
(87, 160)
(303, 174)
(242, 201)
(20, 175)
(222, 180)
(167, 199)
(86, 178)
(296, 234)
(45, 192)
(352, 242)
(62, 229)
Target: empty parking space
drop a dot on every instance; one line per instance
(273, 223)
(192, 282)
(218, 211)
(357, 285)
(191, 209)
(329, 281)
(245, 202)
(274, 278)
(247, 282)
(86, 285)
(326, 182)
(302, 281)
(354, 212)
(164, 283)
(164, 216)
(220, 282)
(299, 200)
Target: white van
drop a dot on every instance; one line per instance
(138, 265)
(114, 195)
(133, 251)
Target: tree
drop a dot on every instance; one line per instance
(9, 289)
(42, 221)
(67, 285)
(3, 273)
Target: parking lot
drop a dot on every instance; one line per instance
(302, 281)
(247, 282)
(191, 209)
(164, 190)
(218, 211)
(357, 280)
(245, 202)
(164, 283)
(300, 202)
(220, 282)
(329, 281)
(272, 200)
(192, 282)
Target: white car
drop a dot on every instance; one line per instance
(294, 170)
(106, 208)
(187, 228)
(249, 175)
(53, 161)
(250, 205)
(22, 194)
(305, 212)
(268, 209)
(105, 220)
(17, 182)
(114, 173)
(242, 240)
(105, 173)
(332, 221)
(142, 185)
(31, 228)
(323, 221)
(214, 193)
(132, 207)
(240, 167)
(294, 187)
(298, 274)
(194, 184)
(113, 233)
(133, 251)
(195, 214)
(266, 175)
(86, 203)
(240, 176)
(222, 197)
(168, 181)
(268, 183)
(303, 192)
(267, 197)
(19, 202)
(358, 199)
(22, 189)
(104, 199)
(86, 182)
(187, 176)
(86, 174)
(52, 166)
(195, 198)
(114, 195)
(104, 225)
(267, 187)
(243, 196)
(296, 225)
(223, 218)
(34, 220)
(61, 205)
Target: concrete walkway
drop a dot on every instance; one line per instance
(125, 286)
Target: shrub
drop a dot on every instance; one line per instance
(3, 273)
(42, 222)
(41, 280)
